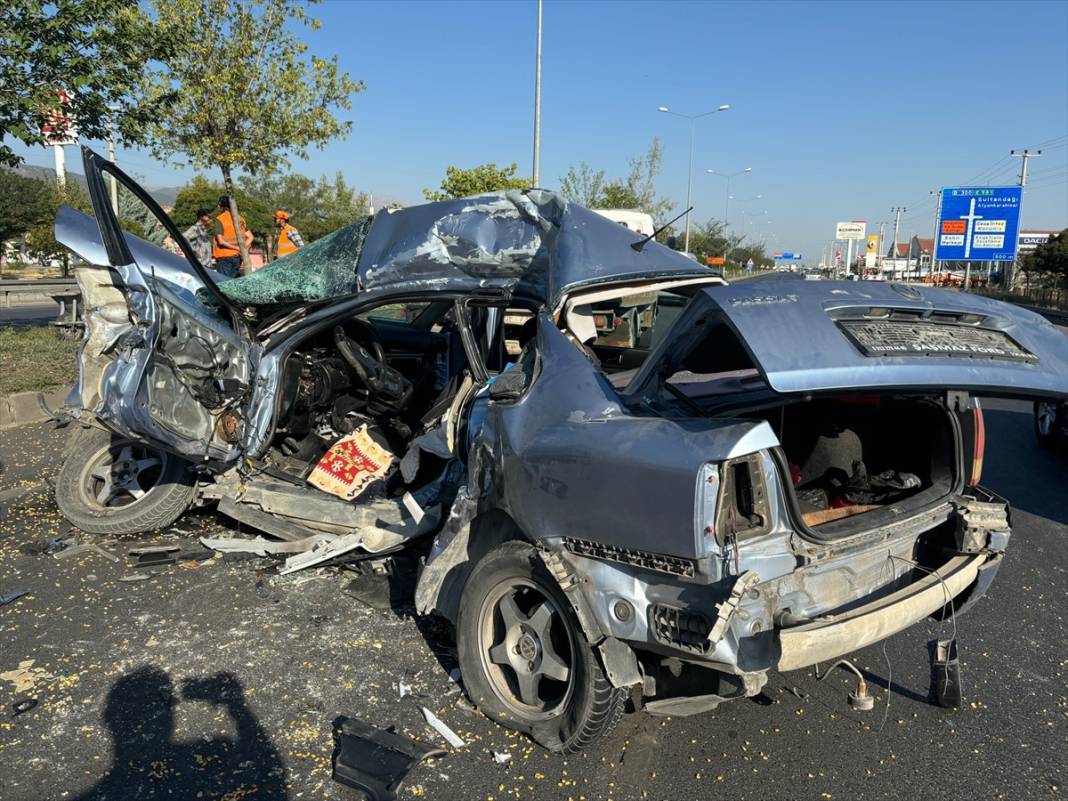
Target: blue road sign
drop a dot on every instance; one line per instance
(788, 256)
(979, 223)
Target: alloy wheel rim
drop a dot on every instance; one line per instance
(527, 648)
(121, 474)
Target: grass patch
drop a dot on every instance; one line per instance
(36, 357)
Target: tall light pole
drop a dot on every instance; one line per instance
(896, 211)
(111, 158)
(727, 203)
(689, 171)
(537, 105)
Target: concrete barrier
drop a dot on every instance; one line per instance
(23, 408)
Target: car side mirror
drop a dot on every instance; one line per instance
(673, 242)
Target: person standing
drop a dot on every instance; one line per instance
(224, 247)
(198, 235)
(289, 238)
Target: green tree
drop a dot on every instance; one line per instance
(316, 207)
(24, 203)
(476, 181)
(583, 185)
(249, 94)
(635, 190)
(92, 50)
(136, 218)
(41, 238)
(1049, 261)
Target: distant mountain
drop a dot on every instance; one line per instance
(164, 195)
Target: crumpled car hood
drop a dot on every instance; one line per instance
(534, 243)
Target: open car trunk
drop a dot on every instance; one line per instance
(855, 463)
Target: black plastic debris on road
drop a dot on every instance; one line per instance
(375, 761)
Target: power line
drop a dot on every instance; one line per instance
(1062, 138)
(1048, 183)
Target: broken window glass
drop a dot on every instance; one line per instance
(326, 268)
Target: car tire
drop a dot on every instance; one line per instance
(1048, 423)
(111, 485)
(525, 661)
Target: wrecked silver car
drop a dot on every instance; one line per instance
(758, 477)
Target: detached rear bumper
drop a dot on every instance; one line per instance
(832, 637)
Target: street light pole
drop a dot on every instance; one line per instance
(896, 211)
(689, 171)
(727, 204)
(537, 105)
(689, 188)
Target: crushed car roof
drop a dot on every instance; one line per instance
(533, 243)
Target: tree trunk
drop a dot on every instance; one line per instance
(235, 215)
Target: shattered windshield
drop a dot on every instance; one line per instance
(326, 268)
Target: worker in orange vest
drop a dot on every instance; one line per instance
(289, 238)
(224, 247)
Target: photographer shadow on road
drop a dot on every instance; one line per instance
(149, 763)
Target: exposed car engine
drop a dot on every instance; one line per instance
(331, 387)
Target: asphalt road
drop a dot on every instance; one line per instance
(29, 313)
(219, 682)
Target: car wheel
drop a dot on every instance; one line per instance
(524, 658)
(111, 485)
(1047, 424)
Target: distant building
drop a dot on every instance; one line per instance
(1032, 238)
(912, 258)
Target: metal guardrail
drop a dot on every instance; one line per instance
(64, 291)
(1051, 298)
(1050, 303)
(36, 286)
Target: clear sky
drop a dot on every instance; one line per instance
(843, 110)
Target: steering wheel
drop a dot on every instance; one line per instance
(363, 353)
(368, 361)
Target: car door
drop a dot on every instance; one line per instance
(156, 365)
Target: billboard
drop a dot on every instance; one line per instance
(58, 127)
(979, 223)
(786, 255)
(850, 230)
(872, 252)
(1029, 240)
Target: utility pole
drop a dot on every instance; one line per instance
(897, 225)
(879, 248)
(1024, 156)
(934, 241)
(537, 105)
(61, 171)
(111, 158)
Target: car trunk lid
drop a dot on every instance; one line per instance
(807, 338)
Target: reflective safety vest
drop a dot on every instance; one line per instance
(229, 235)
(285, 244)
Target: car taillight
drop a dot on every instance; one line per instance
(708, 505)
(978, 443)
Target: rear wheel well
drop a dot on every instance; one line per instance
(442, 581)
